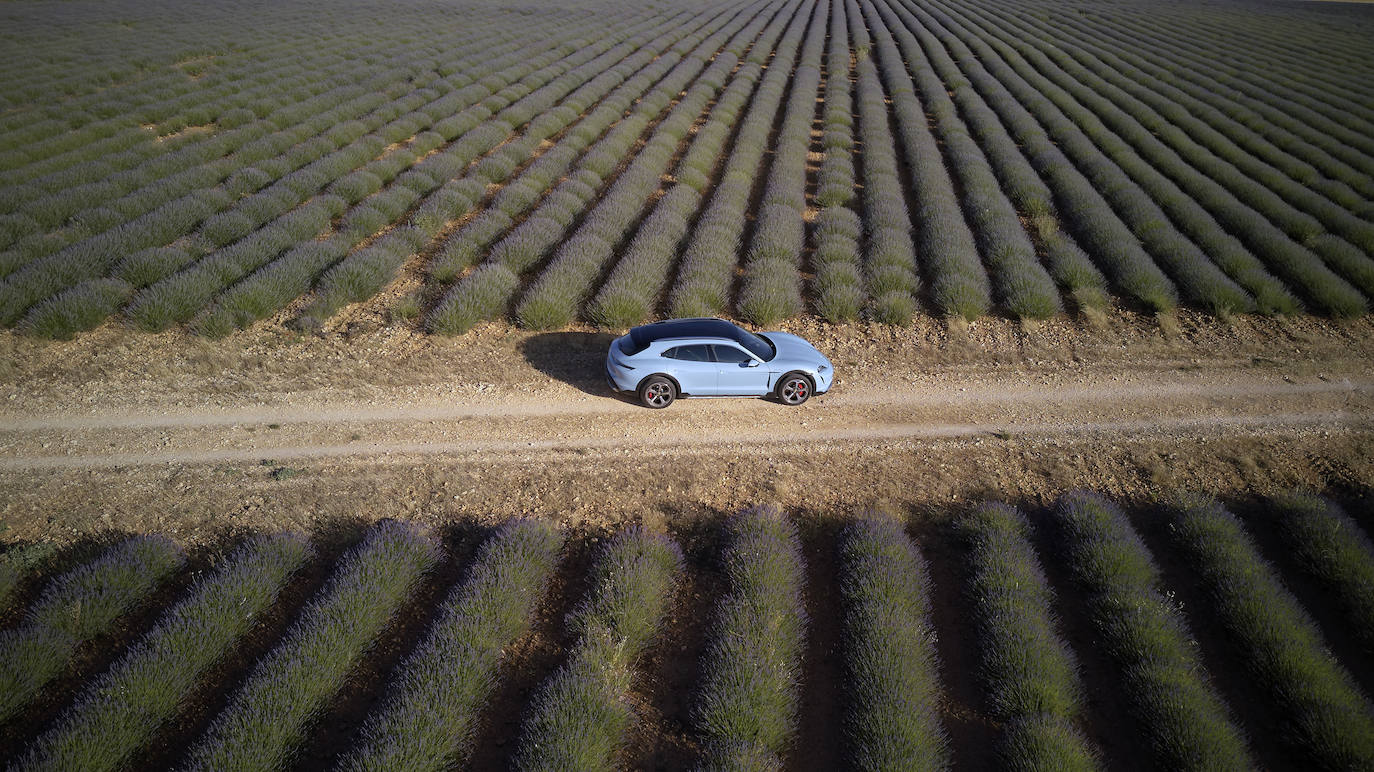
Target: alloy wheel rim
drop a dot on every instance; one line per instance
(657, 394)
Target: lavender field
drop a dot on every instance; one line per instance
(445, 164)
(1082, 634)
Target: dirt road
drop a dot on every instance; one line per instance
(518, 423)
(528, 430)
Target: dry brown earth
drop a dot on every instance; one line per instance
(190, 437)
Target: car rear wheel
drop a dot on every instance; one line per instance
(657, 392)
(794, 389)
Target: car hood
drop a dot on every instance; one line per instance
(794, 351)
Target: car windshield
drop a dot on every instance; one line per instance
(758, 345)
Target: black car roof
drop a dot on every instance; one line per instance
(685, 328)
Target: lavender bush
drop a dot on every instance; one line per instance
(16, 564)
(892, 679)
(122, 709)
(1028, 673)
(77, 607)
(1331, 547)
(432, 709)
(746, 711)
(78, 309)
(1148, 639)
(270, 714)
(581, 716)
(889, 256)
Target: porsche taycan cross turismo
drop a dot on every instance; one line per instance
(663, 361)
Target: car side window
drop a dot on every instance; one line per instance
(731, 355)
(689, 353)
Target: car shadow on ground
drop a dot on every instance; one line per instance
(575, 358)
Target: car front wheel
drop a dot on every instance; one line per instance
(657, 392)
(794, 389)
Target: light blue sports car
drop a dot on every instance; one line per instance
(662, 361)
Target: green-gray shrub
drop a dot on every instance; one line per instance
(1331, 547)
(892, 670)
(432, 710)
(1162, 679)
(581, 716)
(77, 607)
(123, 708)
(1324, 714)
(746, 711)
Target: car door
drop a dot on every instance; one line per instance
(738, 372)
(693, 368)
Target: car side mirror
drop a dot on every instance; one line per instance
(752, 363)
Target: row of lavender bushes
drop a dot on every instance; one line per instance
(269, 716)
(364, 272)
(435, 191)
(122, 709)
(1289, 170)
(1147, 638)
(631, 292)
(891, 666)
(838, 286)
(77, 607)
(1332, 549)
(958, 280)
(889, 253)
(1237, 202)
(1091, 219)
(706, 273)
(1276, 112)
(1022, 284)
(746, 710)
(525, 196)
(581, 715)
(1070, 266)
(433, 114)
(771, 289)
(172, 280)
(430, 714)
(556, 296)
(1302, 208)
(1203, 200)
(212, 208)
(488, 291)
(181, 174)
(1325, 716)
(1028, 673)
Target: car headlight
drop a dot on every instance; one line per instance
(822, 368)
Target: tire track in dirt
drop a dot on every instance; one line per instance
(563, 405)
(399, 452)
